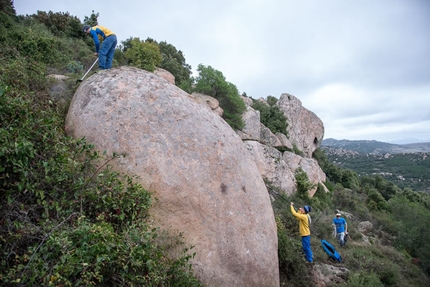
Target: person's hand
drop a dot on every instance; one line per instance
(96, 54)
(292, 203)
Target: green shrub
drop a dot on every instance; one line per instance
(144, 55)
(212, 83)
(362, 279)
(292, 266)
(321, 198)
(271, 116)
(303, 184)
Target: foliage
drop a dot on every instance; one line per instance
(413, 233)
(67, 218)
(363, 279)
(347, 178)
(402, 169)
(289, 250)
(271, 116)
(29, 51)
(92, 20)
(271, 100)
(213, 83)
(297, 151)
(174, 62)
(60, 24)
(143, 54)
(6, 6)
(321, 199)
(303, 184)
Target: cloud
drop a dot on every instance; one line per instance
(363, 67)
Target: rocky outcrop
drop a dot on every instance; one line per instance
(328, 275)
(208, 102)
(365, 227)
(280, 167)
(206, 183)
(305, 129)
(165, 75)
(273, 153)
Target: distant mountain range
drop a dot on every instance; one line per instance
(375, 147)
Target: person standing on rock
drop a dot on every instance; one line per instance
(340, 228)
(304, 229)
(107, 39)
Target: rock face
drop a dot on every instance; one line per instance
(304, 128)
(208, 102)
(327, 275)
(165, 75)
(207, 184)
(279, 167)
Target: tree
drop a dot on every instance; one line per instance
(303, 184)
(174, 62)
(213, 83)
(7, 7)
(271, 100)
(92, 20)
(60, 24)
(144, 55)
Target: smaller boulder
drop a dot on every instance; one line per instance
(365, 227)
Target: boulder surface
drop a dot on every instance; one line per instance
(207, 184)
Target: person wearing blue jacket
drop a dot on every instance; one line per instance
(105, 42)
(340, 228)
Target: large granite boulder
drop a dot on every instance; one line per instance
(207, 184)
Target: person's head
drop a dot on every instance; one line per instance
(86, 29)
(305, 209)
(338, 215)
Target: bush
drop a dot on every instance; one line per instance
(271, 116)
(291, 268)
(303, 184)
(144, 55)
(212, 83)
(363, 279)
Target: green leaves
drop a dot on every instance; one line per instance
(144, 55)
(271, 116)
(212, 83)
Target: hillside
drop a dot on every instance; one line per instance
(377, 147)
(408, 166)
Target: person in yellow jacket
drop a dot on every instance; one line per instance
(304, 229)
(107, 39)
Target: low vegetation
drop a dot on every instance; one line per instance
(270, 115)
(397, 252)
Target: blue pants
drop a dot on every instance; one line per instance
(106, 52)
(340, 236)
(306, 245)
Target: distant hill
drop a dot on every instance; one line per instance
(377, 147)
(406, 165)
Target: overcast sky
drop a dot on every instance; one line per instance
(362, 66)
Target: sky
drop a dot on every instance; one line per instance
(363, 67)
